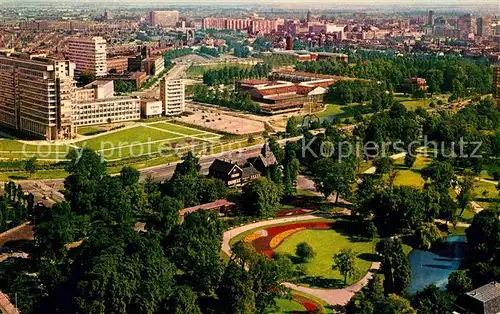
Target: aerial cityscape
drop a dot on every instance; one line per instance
(250, 157)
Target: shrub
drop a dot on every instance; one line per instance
(304, 251)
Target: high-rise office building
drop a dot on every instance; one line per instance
(89, 55)
(484, 28)
(36, 95)
(172, 96)
(431, 18)
(163, 18)
(467, 25)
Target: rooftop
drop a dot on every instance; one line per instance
(486, 293)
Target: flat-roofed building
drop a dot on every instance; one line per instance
(89, 55)
(99, 89)
(483, 300)
(164, 18)
(151, 107)
(107, 110)
(172, 96)
(36, 95)
(117, 64)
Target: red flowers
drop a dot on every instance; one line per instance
(262, 244)
(309, 304)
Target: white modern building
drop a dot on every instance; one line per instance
(89, 55)
(107, 110)
(151, 108)
(172, 96)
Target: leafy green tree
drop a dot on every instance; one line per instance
(183, 300)
(345, 263)
(276, 148)
(433, 301)
(194, 248)
(304, 251)
(261, 198)
(483, 236)
(333, 177)
(394, 266)
(235, 291)
(466, 194)
(30, 166)
(459, 283)
(190, 165)
(383, 164)
(56, 227)
(427, 235)
(292, 128)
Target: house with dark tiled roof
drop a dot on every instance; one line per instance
(483, 300)
(264, 160)
(232, 174)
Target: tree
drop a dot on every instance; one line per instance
(275, 147)
(30, 166)
(344, 262)
(235, 291)
(459, 283)
(261, 198)
(483, 236)
(292, 128)
(333, 177)
(383, 165)
(466, 194)
(183, 300)
(426, 235)
(394, 266)
(189, 166)
(304, 251)
(433, 301)
(195, 247)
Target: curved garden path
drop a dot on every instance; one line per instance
(330, 296)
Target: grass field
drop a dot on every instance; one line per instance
(136, 141)
(288, 306)
(325, 244)
(412, 104)
(486, 194)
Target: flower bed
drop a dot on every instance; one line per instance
(301, 211)
(276, 240)
(263, 244)
(310, 305)
(253, 236)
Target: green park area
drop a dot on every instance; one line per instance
(325, 244)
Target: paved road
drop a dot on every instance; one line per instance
(162, 172)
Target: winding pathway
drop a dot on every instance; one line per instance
(330, 296)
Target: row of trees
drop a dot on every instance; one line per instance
(230, 74)
(204, 50)
(15, 206)
(225, 97)
(443, 74)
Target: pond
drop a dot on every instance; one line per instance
(434, 267)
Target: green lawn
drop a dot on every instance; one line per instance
(490, 168)
(411, 177)
(177, 128)
(488, 198)
(412, 104)
(325, 244)
(288, 306)
(89, 130)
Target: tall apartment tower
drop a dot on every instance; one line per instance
(496, 85)
(431, 18)
(484, 28)
(172, 96)
(89, 55)
(37, 95)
